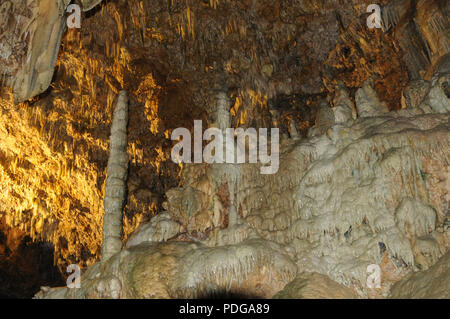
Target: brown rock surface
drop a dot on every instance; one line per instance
(31, 33)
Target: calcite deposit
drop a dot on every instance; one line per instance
(115, 185)
(355, 196)
(363, 179)
(433, 283)
(314, 286)
(31, 33)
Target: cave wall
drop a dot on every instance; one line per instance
(279, 62)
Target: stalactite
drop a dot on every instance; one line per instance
(368, 102)
(89, 4)
(34, 77)
(115, 189)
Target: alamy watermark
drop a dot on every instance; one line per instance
(374, 276)
(223, 149)
(374, 19)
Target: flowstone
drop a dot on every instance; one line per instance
(433, 283)
(315, 286)
(367, 192)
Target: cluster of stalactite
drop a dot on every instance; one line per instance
(278, 63)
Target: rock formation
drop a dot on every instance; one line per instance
(368, 103)
(433, 283)
(89, 4)
(338, 205)
(364, 165)
(31, 34)
(315, 286)
(343, 106)
(422, 39)
(117, 173)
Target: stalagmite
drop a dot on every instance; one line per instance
(367, 101)
(89, 4)
(358, 191)
(335, 208)
(115, 189)
(324, 120)
(293, 130)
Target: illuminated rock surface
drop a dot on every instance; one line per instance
(364, 125)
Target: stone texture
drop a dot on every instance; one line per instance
(337, 192)
(315, 286)
(89, 4)
(31, 33)
(423, 38)
(343, 106)
(336, 206)
(436, 99)
(117, 173)
(325, 118)
(433, 283)
(415, 92)
(160, 228)
(253, 268)
(367, 101)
